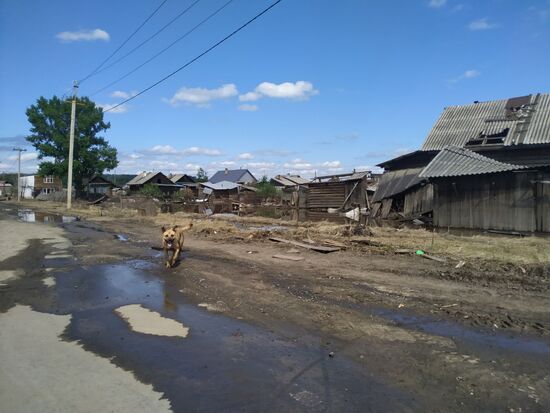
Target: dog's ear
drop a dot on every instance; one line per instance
(174, 227)
(163, 228)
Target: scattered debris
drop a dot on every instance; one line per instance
(288, 257)
(404, 251)
(365, 241)
(460, 264)
(331, 354)
(318, 248)
(433, 258)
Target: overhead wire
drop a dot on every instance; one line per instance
(233, 33)
(123, 43)
(182, 13)
(206, 19)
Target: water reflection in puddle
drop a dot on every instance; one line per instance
(223, 364)
(28, 215)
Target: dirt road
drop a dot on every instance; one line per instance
(347, 331)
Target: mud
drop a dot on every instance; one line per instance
(347, 331)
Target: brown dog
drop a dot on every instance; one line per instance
(172, 240)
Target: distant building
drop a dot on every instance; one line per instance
(237, 176)
(186, 182)
(99, 185)
(152, 178)
(5, 188)
(33, 185)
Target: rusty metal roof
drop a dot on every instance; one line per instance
(455, 161)
(457, 125)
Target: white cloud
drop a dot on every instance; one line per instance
(193, 150)
(301, 90)
(83, 35)
(468, 74)
(248, 108)
(123, 95)
(482, 24)
(110, 106)
(245, 155)
(436, 4)
(25, 156)
(202, 97)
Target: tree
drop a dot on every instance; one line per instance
(201, 175)
(50, 120)
(266, 189)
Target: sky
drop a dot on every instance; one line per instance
(311, 87)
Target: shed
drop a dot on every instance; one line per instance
(152, 178)
(342, 191)
(99, 185)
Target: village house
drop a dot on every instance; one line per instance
(482, 166)
(237, 176)
(5, 188)
(33, 185)
(157, 179)
(186, 182)
(99, 186)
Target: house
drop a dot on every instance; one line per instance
(237, 176)
(99, 186)
(33, 185)
(483, 166)
(342, 191)
(152, 178)
(186, 182)
(225, 196)
(5, 188)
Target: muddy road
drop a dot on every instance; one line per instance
(90, 320)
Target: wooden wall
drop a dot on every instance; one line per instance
(323, 195)
(419, 200)
(511, 201)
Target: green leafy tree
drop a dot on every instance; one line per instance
(152, 191)
(201, 175)
(266, 189)
(50, 122)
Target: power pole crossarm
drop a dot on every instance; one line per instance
(71, 148)
(19, 172)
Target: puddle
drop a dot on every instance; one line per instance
(28, 215)
(223, 364)
(461, 334)
(143, 320)
(49, 281)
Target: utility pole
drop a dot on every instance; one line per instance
(71, 148)
(19, 173)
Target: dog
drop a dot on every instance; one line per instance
(172, 240)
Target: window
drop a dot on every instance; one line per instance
(490, 139)
(48, 179)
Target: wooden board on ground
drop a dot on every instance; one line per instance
(288, 257)
(318, 248)
(431, 257)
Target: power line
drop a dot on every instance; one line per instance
(123, 43)
(197, 57)
(149, 38)
(163, 50)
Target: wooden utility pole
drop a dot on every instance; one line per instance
(19, 173)
(71, 148)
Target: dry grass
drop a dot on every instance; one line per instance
(504, 249)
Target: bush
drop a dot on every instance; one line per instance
(151, 191)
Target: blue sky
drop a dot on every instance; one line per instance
(314, 86)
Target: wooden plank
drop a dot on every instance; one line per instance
(318, 248)
(288, 257)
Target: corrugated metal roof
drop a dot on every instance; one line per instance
(394, 182)
(141, 178)
(231, 175)
(459, 124)
(455, 161)
(290, 180)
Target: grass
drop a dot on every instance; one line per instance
(500, 248)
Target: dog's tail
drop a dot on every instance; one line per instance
(188, 227)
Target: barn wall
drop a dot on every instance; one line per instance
(324, 195)
(419, 200)
(504, 201)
